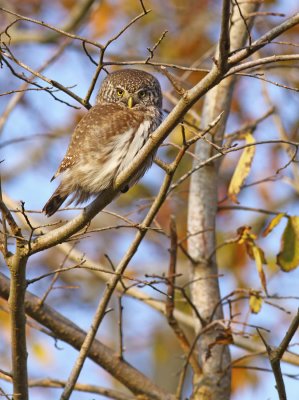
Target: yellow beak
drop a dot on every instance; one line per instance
(130, 102)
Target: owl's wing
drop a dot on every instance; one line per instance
(99, 126)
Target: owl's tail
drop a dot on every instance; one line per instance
(54, 202)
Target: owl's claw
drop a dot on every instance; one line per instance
(125, 189)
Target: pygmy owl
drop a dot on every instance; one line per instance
(106, 140)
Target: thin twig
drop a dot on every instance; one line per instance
(6, 214)
(244, 20)
(102, 53)
(263, 40)
(275, 355)
(67, 331)
(80, 387)
(42, 77)
(170, 305)
(152, 50)
(3, 242)
(20, 92)
(120, 327)
(193, 95)
(53, 28)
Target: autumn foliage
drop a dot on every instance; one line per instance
(53, 57)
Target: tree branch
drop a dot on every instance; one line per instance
(69, 332)
(76, 17)
(202, 209)
(114, 280)
(189, 99)
(275, 354)
(224, 41)
(263, 40)
(80, 387)
(262, 61)
(17, 266)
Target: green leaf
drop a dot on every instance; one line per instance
(272, 224)
(288, 257)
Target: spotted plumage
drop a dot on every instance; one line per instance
(108, 138)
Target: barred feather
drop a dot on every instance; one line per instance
(104, 143)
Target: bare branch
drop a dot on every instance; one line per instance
(262, 61)
(224, 41)
(282, 348)
(263, 40)
(6, 214)
(101, 309)
(183, 318)
(275, 354)
(17, 98)
(202, 210)
(143, 7)
(17, 266)
(80, 387)
(40, 76)
(170, 305)
(103, 50)
(69, 332)
(70, 25)
(152, 50)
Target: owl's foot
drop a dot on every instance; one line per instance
(125, 189)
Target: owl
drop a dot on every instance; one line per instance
(107, 139)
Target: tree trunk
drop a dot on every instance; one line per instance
(214, 383)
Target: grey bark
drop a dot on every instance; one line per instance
(214, 383)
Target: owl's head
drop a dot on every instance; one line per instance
(130, 88)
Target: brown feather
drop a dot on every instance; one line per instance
(54, 202)
(97, 128)
(109, 137)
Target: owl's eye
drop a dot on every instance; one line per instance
(120, 92)
(142, 94)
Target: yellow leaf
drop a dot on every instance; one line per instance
(254, 252)
(245, 235)
(273, 223)
(243, 168)
(288, 257)
(41, 353)
(255, 303)
(259, 258)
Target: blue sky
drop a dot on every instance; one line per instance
(32, 185)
